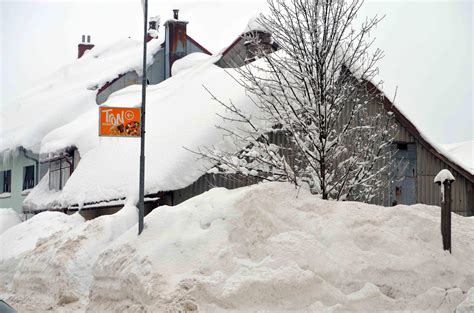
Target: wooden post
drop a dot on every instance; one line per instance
(446, 216)
(444, 179)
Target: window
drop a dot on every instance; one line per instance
(402, 146)
(6, 177)
(28, 177)
(59, 172)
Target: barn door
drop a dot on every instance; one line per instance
(403, 181)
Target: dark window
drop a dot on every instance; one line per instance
(28, 177)
(59, 172)
(6, 177)
(402, 146)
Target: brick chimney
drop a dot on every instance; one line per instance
(84, 46)
(175, 41)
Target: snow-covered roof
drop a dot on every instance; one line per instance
(180, 115)
(69, 92)
(462, 152)
(254, 24)
(447, 153)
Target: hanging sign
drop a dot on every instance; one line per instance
(119, 122)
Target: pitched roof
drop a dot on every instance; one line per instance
(180, 115)
(68, 92)
(429, 145)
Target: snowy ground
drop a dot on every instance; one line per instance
(264, 247)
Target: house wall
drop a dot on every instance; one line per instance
(209, 181)
(15, 161)
(234, 56)
(428, 165)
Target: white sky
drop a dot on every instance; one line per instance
(428, 47)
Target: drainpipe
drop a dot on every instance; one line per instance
(36, 164)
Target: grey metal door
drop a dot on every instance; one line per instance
(403, 180)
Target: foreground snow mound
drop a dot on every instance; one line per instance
(24, 237)
(269, 247)
(58, 270)
(8, 219)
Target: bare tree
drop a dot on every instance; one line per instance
(318, 123)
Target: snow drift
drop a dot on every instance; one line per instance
(57, 269)
(265, 247)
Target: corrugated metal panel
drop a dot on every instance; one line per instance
(209, 181)
(428, 192)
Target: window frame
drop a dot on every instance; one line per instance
(6, 174)
(62, 168)
(31, 180)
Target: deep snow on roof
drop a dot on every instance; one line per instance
(462, 153)
(69, 92)
(180, 115)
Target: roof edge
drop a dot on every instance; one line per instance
(405, 122)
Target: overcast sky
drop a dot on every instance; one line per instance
(428, 47)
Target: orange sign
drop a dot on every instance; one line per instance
(119, 122)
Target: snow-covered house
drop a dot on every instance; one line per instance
(19, 173)
(80, 174)
(181, 117)
(90, 80)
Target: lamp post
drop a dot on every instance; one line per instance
(141, 190)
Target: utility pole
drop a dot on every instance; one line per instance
(141, 191)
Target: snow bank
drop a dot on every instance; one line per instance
(467, 306)
(58, 270)
(69, 92)
(24, 237)
(270, 247)
(8, 219)
(265, 247)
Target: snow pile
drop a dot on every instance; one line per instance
(58, 270)
(68, 93)
(24, 237)
(265, 247)
(8, 219)
(180, 115)
(270, 247)
(467, 306)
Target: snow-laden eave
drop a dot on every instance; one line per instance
(431, 146)
(103, 204)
